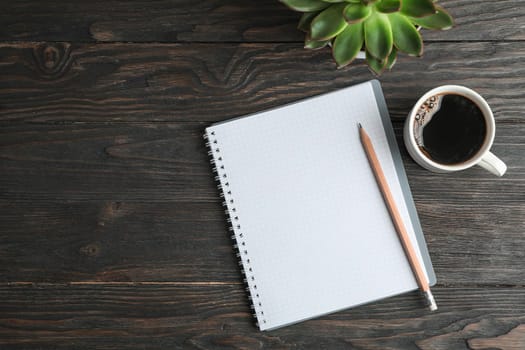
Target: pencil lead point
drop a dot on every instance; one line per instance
(359, 124)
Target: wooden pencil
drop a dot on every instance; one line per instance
(410, 252)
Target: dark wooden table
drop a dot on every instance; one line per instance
(112, 235)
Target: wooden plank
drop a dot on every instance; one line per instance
(115, 241)
(211, 82)
(215, 20)
(168, 162)
(148, 162)
(218, 317)
(99, 202)
(84, 241)
(149, 21)
(138, 82)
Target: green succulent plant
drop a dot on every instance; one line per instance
(381, 28)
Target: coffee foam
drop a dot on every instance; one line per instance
(423, 116)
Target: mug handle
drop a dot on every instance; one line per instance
(493, 164)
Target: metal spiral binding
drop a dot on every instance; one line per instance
(224, 186)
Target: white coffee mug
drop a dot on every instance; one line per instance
(483, 156)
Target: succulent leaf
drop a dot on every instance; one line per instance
(375, 65)
(334, 1)
(440, 20)
(356, 12)
(348, 44)
(306, 20)
(305, 5)
(406, 36)
(417, 8)
(388, 6)
(314, 44)
(392, 58)
(378, 36)
(328, 23)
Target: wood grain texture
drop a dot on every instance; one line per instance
(156, 161)
(512, 340)
(111, 231)
(218, 21)
(211, 82)
(135, 316)
(136, 242)
(138, 203)
(116, 241)
(162, 162)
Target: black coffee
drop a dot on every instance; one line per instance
(450, 128)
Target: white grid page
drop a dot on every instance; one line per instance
(316, 229)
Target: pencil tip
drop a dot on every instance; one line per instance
(431, 302)
(359, 124)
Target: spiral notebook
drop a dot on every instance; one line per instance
(312, 231)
